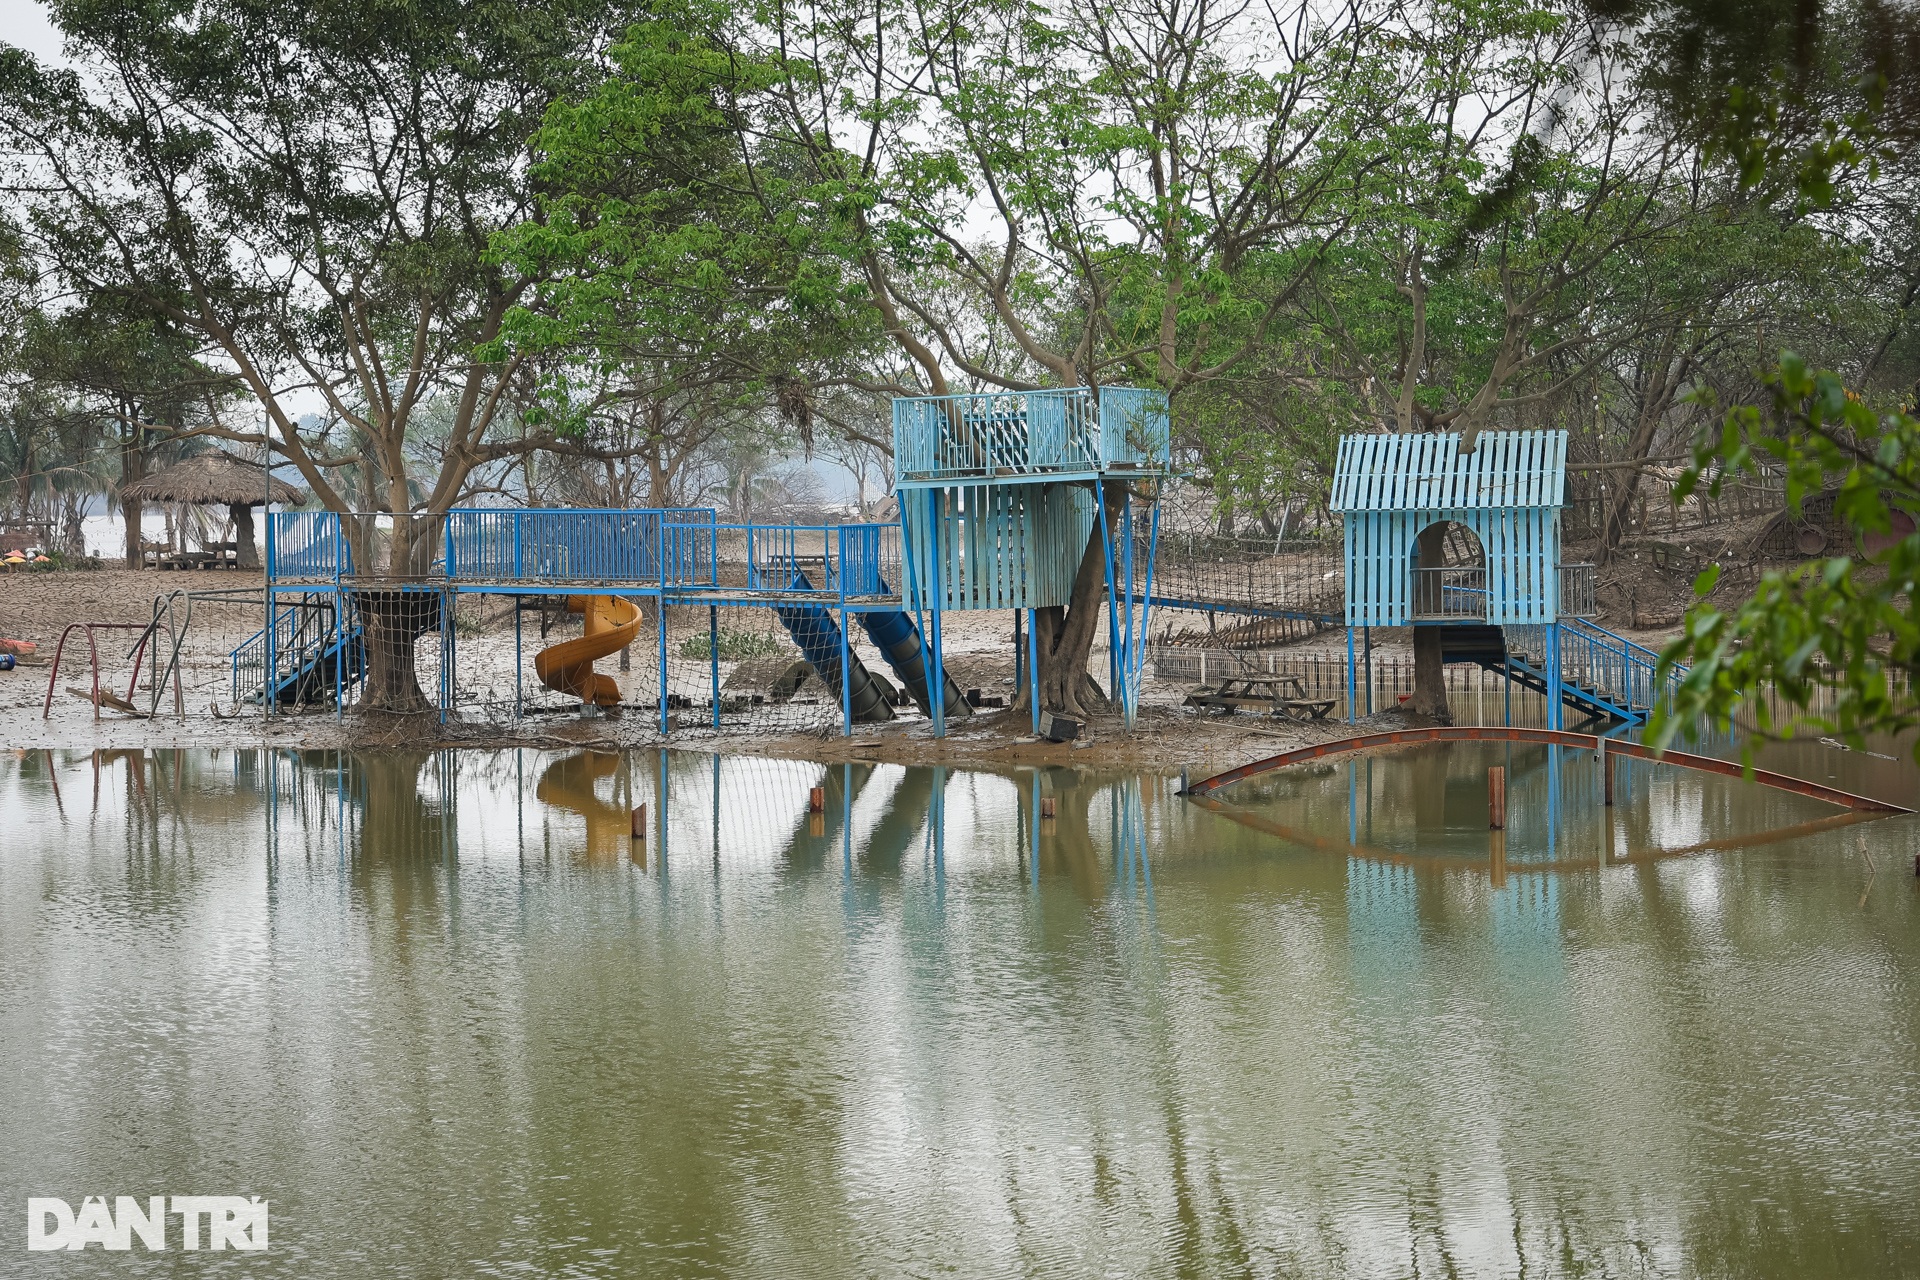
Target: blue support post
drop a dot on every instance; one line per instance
(266, 675)
(1366, 635)
(937, 678)
(660, 615)
(713, 658)
(339, 654)
(1146, 594)
(1553, 675)
(1113, 603)
(1350, 675)
(1128, 659)
(1033, 672)
(518, 662)
(846, 676)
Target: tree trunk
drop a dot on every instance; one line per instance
(1429, 670)
(246, 552)
(392, 621)
(133, 468)
(1064, 637)
(1430, 674)
(1656, 398)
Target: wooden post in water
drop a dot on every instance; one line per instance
(817, 800)
(1606, 773)
(640, 822)
(1497, 861)
(1497, 798)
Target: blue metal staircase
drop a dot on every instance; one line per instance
(1602, 675)
(311, 658)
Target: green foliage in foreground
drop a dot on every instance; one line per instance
(1839, 634)
(735, 646)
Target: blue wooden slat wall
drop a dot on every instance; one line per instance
(1508, 491)
(999, 546)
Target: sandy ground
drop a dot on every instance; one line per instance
(1167, 738)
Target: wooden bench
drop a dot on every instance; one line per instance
(1277, 695)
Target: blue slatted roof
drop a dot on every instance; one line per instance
(1427, 472)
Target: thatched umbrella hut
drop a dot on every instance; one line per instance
(221, 480)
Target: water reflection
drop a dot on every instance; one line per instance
(1342, 1028)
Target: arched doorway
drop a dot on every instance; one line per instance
(1449, 574)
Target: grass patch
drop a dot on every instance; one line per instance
(735, 646)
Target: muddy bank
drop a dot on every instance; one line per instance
(1163, 741)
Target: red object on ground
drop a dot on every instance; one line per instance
(19, 648)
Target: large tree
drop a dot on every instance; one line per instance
(309, 192)
(1089, 179)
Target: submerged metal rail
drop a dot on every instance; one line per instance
(1546, 737)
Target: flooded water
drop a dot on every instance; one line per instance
(450, 1019)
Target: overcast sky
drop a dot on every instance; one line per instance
(24, 22)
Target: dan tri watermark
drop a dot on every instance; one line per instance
(212, 1222)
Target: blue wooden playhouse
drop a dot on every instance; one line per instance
(1487, 523)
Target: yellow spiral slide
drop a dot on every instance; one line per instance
(567, 667)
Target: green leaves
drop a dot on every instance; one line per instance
(1837, 639)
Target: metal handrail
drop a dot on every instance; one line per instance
(1449, 591)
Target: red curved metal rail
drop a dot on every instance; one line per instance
(1550, 737)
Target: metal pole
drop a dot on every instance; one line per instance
(1033, 672)
(519, 709)
(846, 678)
(713, 657)
(1126, 560)
(1350, 676)
(1146, 593)
(660, 615)
(1553, 675)
(1113, 603)
(1366, 634)
(937, 677)
(266, 676)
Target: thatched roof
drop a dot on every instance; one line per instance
(215, 479)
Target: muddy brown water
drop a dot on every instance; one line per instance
(451, 1020)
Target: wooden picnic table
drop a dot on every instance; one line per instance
(215, 555)
(1278, 695)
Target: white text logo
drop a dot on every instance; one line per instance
(229, 1222)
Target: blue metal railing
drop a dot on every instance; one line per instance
(1010, 433)
(844, 560)
(306, 544)
(1135, 427)
(1614, 667)
(683, 548)
(301, 633)
(537, 544)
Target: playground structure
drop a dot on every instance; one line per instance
(996, 495)
(1469, 543)
(997, 498)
